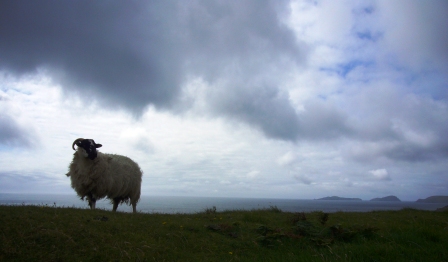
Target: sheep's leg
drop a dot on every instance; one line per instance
(134, 207)
(116, 202)
(92, 201)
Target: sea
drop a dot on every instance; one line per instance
(189, 205)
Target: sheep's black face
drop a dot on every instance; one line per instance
(89, 147)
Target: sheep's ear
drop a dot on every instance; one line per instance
(98, 145)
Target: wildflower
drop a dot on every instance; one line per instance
(231, 253)
(164, 223)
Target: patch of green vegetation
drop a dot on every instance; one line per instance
(41, 233)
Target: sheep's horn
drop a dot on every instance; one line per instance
(74, 142)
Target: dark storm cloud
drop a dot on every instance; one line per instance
(421, 134)
(132, 54)
(122, 52)
(12, 134)
(410, 152)
(323, 121)
(243, 51)
(263, 107)
(241, 38)
(410, 129)
(269, 110)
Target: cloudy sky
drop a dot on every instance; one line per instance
(278, 99)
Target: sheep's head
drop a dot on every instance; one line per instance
(87, 147)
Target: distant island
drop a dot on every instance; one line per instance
(388, 198)
(434, 199)
(339, 198)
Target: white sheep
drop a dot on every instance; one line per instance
(96, 175)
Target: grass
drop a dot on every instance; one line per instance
(41, 233)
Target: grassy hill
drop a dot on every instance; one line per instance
(33, 233)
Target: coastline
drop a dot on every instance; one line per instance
(189, 205)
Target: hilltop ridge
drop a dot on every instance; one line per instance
(434, 199)
(387, 198)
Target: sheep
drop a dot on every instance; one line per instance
(95, 175)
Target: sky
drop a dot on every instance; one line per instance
(263, 99)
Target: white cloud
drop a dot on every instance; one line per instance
(380, 174)
(287, 159)
(253, 174)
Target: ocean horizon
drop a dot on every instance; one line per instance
(188, 205)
